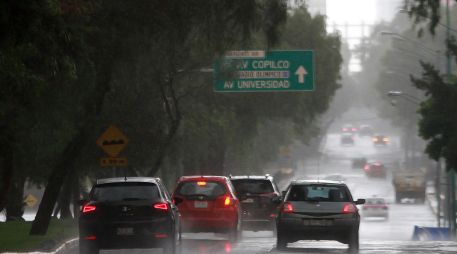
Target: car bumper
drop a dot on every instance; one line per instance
(132, 234)
(295, 229)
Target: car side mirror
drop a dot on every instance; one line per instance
(360, 201)
(177, 200)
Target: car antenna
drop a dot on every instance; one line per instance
(318, 168)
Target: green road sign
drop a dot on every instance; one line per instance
(264, 71)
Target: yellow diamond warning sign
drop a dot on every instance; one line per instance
(30, 200)
(112, 141)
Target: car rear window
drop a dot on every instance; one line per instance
(201, 188)
(377, 201)
(127, 191)
(245, 186)
(324, 193)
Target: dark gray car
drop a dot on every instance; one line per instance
(129, 213)
(318, 210)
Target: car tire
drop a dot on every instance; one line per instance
(281, 243)
(88, 248)
(235, 232)
(170, 247)
(354, 242)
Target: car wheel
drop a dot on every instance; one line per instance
(88, 248)
(170, 247)
(354, 242)
(235, 233)
(281, 243)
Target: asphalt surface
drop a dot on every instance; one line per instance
(377, 235)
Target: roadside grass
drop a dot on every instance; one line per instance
(14, 236)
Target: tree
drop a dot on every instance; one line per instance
(122, 33)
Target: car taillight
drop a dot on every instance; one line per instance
(287, 208)
(349, 208)
(354, 129)
(366, 168)
(227, 201)
(161, 206)
(385, 139)
(375, 140)
(89, 208)
(201, 183)
(345, 129)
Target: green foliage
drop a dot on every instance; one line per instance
(14, 236)
(438, 124)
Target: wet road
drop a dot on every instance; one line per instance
(376, 234)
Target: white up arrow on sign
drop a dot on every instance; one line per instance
(301, 72)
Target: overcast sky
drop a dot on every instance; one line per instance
(357, 11)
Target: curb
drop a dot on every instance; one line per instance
(60, 250)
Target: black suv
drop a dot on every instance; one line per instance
(318, 210)
(128, 213)
(259, 197)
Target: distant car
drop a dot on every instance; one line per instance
(318, 210)
(379, 139)
(375, 169)
(375, 207)
(365, 130)
(129, 213)
(349, 128)
(347, 139)
(208, 204)
(259, 201)
(358, 162)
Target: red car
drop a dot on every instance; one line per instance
(375, 169)
(208, 204)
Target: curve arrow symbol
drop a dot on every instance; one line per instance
(301, 72)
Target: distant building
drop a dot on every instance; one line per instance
(314, 6)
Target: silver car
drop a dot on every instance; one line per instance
(318, 210)
(375, 207)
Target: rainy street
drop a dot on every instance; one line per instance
(377, 235)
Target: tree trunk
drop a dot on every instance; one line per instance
(55, 181)
(6, 173)
(15, 204)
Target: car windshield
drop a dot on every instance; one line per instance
(324, 193)
(201, 188)
(114, 192)
(249, 186)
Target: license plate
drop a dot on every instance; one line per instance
(201, 204)
(248, 200)
(317, 222)
(124, 231)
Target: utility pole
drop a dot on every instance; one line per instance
(451, 174)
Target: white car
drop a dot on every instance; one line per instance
(375, 207)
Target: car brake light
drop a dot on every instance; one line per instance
(287, 208)
(227, 201)
(345, 129)
(349, 208)
(366, 168)
(354, 129)
(161, 206)
(375, 139)
(201, 183)
(89, 208)
(385, 139)
(90, 237)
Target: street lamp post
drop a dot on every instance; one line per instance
(451, 174)
(416, 101)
